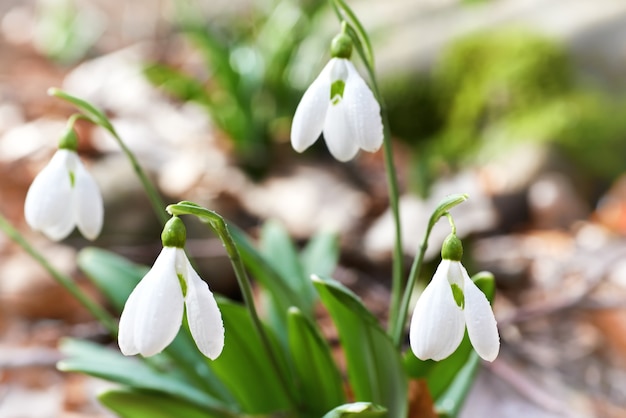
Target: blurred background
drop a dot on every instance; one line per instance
(519, 103)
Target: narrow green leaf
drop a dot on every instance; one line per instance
(319, 380)
(321, 255)
(445, 205)
(280, 252)
(449, 403)
(112, 274)
(98, 361)
(129, 403)
(374, 366)
(280, 295)
(179, 85)
(438, 374)
(357, 409)
(96, 115)
(243, 366)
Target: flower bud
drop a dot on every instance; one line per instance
(69, 139)
(341, 46)
(174, 233)
(452, 248)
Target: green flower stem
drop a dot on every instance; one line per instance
(218, 224)
(394, 201)
(155, 198)
(97, 117)
(398, 326)
(94, 308)
(364, 48)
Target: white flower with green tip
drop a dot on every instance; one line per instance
(153, 312)
(341, 105)
(64, 196)
(450, 302)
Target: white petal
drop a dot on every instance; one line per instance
(88, 200)
(126, 333)
(481, 323)
(308, 120)
(363, 111)
(455, 272)
(203, 315)
(438, 324)
(338, 133)
(156, 307)
(47, 206)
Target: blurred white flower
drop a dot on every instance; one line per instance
(340, 104)
(63, 196)
(449, 303)
(153, 312)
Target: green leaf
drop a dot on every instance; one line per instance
(95, 360)
(244, 367)
(321, 255)
(438, 374)
(112, 274)
(179, 85)
(128, 403)
(282, 297)
(280, 252)
(357, 409)
(445, 205)
(374, 366)
(320, 384)
(96, 115)
(449, 403)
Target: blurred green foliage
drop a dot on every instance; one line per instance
(493, 89)
(250, 62)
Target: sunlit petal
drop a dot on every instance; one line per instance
(203, 315)
(159, 306)
(46, 208)
(308, 121)
(89, 209)
(481, 323)
(363, 111)
(338, 133)
(438, 324)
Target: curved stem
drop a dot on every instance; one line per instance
(94, 308)
(397, 329)
(97, 117)
(155, 198)
(218, 224)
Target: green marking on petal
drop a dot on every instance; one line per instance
(458, 295)
(183, 284)
(336, 91)
(72, 179)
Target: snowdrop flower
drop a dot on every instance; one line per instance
(64, 195)
(340, 104)
(153, 312)
(448, 304)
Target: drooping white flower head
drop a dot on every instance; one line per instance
(64, 196)
(450, 302)
(153, 312)
(341, 105)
